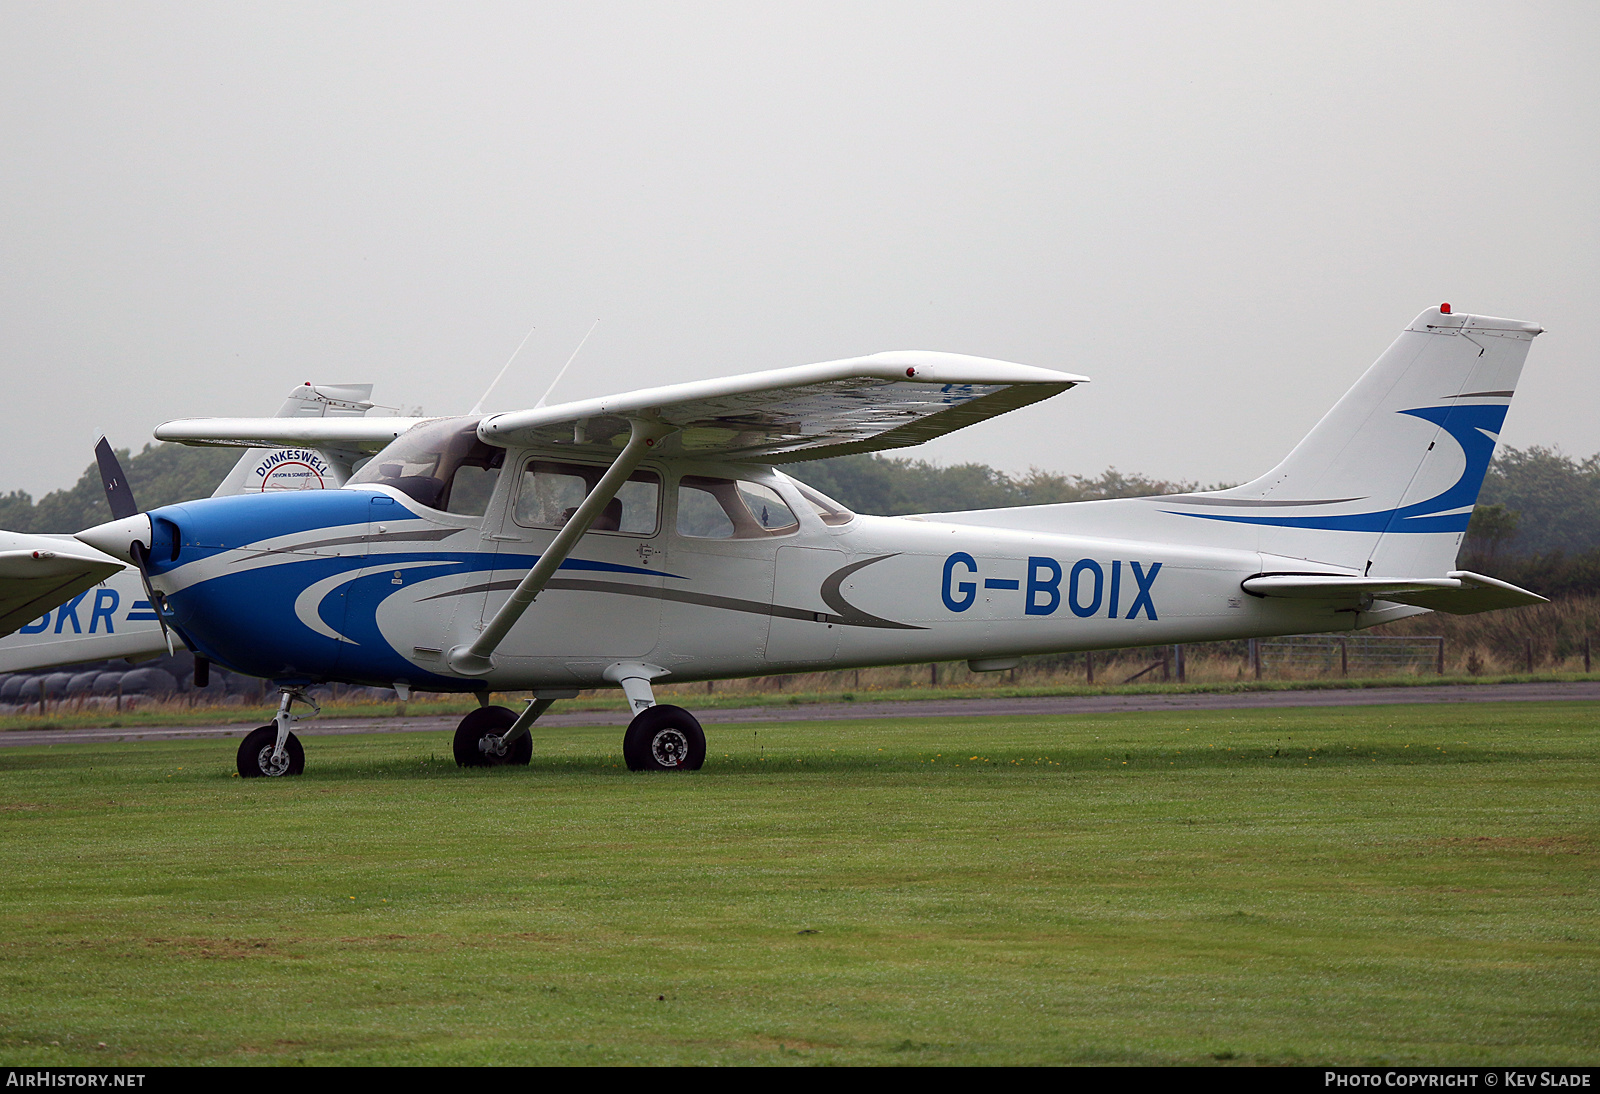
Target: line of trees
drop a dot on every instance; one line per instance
(890, 487)
(168, 473)
(1537, 522)
(160, 475)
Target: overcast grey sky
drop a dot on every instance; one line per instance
(1220, 213)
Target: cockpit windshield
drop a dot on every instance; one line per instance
(440, 464)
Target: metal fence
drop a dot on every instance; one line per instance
(1361, 655)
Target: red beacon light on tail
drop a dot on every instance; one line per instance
(1444, 309)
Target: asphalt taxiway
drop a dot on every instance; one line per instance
(1039, 706)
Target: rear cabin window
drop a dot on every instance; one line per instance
(551, 493)
(731, 509)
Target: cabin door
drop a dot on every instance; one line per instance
(604, 602)
(801, 628)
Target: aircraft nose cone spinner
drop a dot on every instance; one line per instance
(116, 538)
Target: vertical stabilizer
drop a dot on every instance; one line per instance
(264, 469)
(1385, 483)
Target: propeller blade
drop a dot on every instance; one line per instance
(141, 559)
(118, 493)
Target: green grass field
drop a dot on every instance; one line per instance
(1385, 884)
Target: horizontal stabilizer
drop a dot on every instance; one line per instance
(1458, 593)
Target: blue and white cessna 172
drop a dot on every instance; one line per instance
(620, 540)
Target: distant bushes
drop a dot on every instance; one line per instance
(1557, 630)
(1557, 575)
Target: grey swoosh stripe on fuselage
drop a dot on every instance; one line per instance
(705, 600)
(833, 597)
(386, 537)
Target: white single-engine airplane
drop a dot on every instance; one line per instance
(620, 540)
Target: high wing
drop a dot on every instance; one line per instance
(863, 404)
(39, 572)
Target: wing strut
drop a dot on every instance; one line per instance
(476, 659)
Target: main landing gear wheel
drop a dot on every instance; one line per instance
(664, 738)
(477, 744)
(255, 754)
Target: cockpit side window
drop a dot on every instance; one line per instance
(711, 508)
(442, 465)
(551, 493)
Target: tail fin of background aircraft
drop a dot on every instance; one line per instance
(262, 469)
(1386, 482)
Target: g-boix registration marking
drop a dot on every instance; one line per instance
(1087, 587)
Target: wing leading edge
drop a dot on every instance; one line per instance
(864, 404)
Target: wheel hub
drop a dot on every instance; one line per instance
(269, 764)
(670, 747)
(492, 744)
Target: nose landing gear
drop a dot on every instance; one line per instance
(258, 754)
(271, 751)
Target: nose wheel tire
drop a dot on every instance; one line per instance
(664, 738)
(477, 739)
(255, 755)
